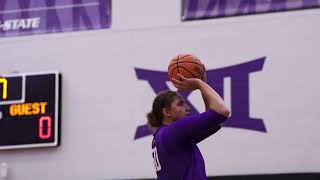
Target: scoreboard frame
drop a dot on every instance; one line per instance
(54, 140)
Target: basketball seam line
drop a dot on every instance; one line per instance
(172, 73)
(175, 68)
(181, 57)
(201, 69)
(188, 71)
(178, 64)
(186, 62)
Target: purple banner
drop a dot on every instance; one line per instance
(27, 17)
(201, 9)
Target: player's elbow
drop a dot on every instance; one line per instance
(221, 109)
(225, 112)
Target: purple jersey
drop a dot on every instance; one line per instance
(174, 147)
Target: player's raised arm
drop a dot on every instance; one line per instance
(211, 98)
(197, 127)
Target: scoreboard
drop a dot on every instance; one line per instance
(29, 110)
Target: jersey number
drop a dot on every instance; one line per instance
(156, 159)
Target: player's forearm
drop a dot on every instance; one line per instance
(205, 101)
(212, 99)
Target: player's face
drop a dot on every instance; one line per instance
(179, 108)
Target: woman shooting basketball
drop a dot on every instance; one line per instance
(174, 145)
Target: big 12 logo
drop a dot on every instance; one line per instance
(239, 75)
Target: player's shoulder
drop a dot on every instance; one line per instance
(158, 133)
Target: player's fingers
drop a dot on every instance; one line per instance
(176, 85)
(176, 81)
(182, 89)
(179, 86)
(182, 77)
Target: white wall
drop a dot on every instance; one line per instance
(103, 101)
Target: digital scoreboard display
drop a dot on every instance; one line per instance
(29, 110)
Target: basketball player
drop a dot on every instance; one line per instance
(174, 145)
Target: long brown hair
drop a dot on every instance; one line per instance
(163, 100)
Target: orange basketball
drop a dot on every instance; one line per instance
(187, 65)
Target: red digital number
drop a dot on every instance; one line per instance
(45, 133)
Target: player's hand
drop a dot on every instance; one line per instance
(205, 78)
(186, 84)
(204, 75)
